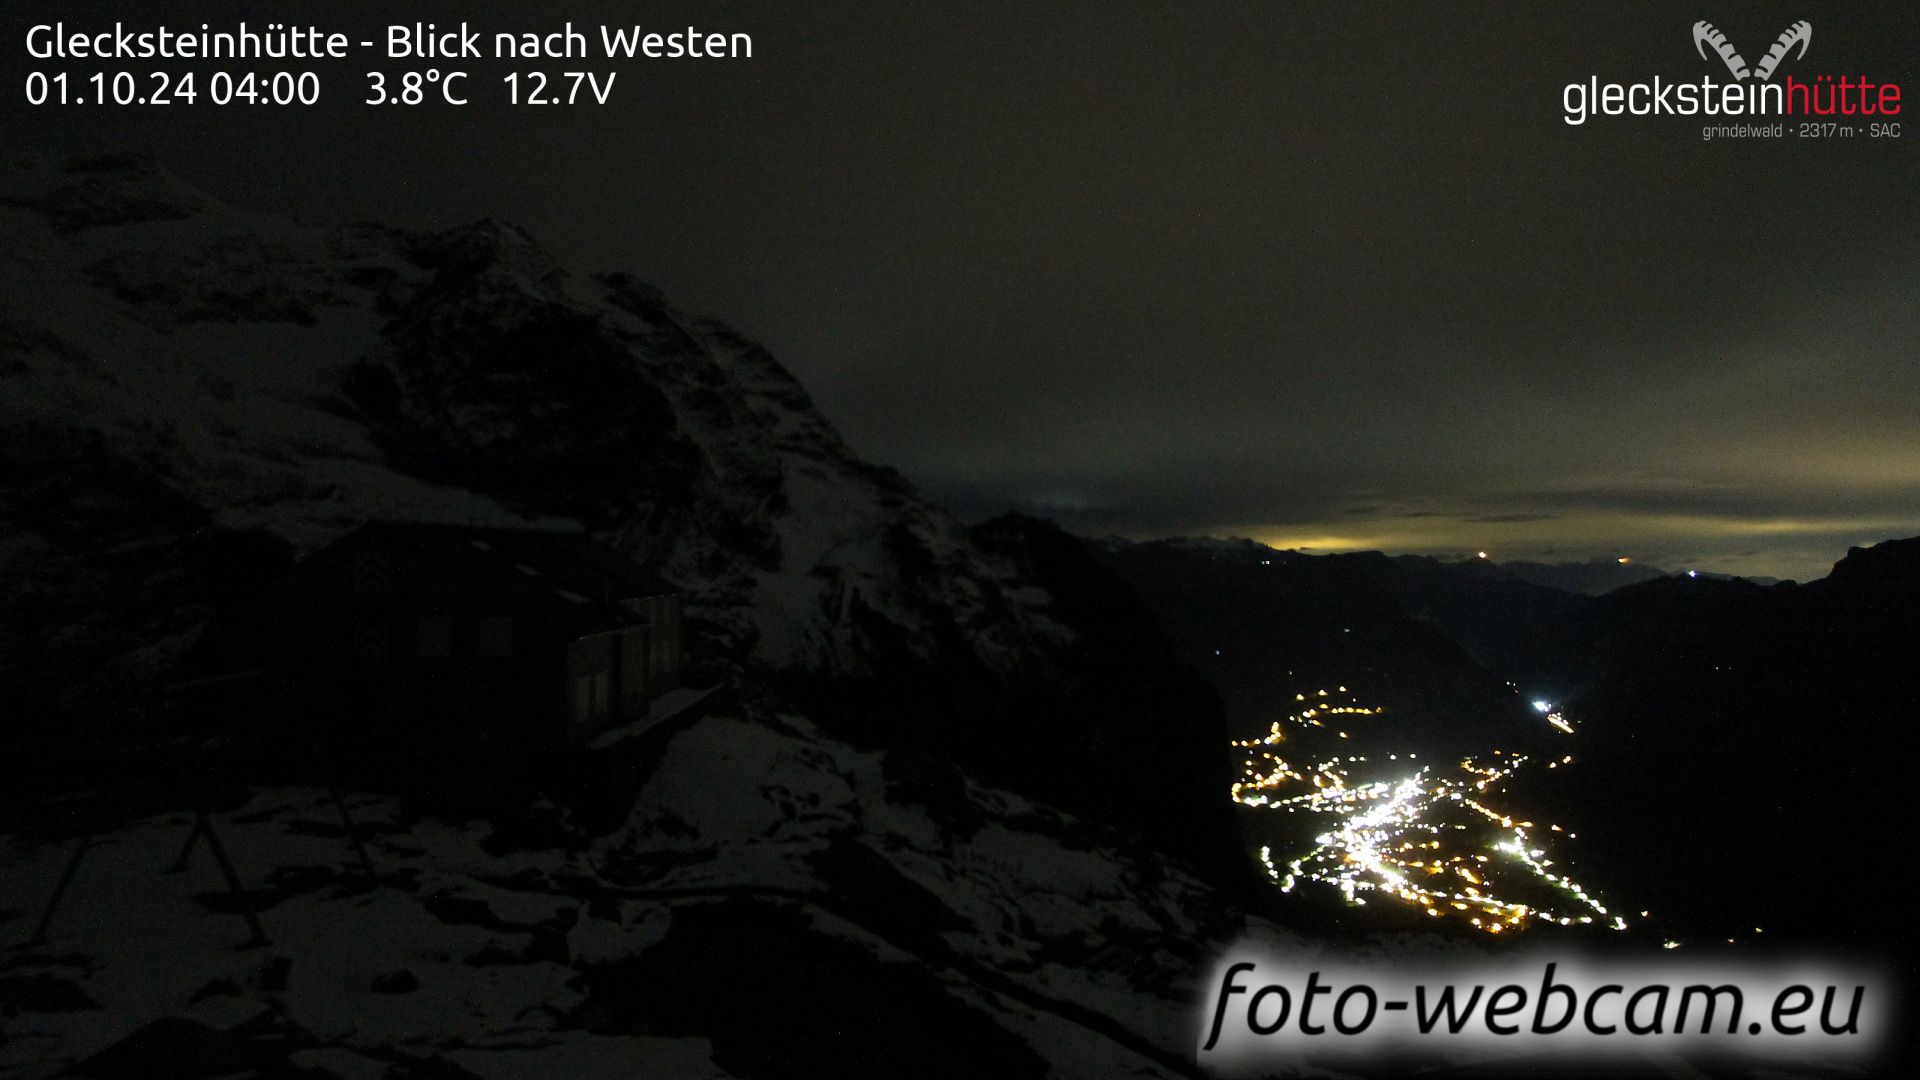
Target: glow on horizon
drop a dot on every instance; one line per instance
(1800, 548)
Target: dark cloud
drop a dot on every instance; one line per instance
(1226, 266)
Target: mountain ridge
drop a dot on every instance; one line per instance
(177, 365)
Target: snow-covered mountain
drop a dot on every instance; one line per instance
(171, 363)
(932, 785)
(304, 378)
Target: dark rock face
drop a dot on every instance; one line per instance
(780, 1000)
(1497, 619)
(92, 583)
(529, 399)
(1138, 729)
(110, 189)
(1882, 576)
(1740, 739)
(1266, 625)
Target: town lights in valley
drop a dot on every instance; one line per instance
(1427, 838)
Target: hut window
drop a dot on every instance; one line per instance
(494, 636)
(370, 636)
(590, 697)
(433, 634)
(372, 573)
(582, 699)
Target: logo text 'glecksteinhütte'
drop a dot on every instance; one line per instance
(1751, 92)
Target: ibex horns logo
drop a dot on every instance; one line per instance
(1705, 34)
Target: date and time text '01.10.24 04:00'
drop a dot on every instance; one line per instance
(221, 88)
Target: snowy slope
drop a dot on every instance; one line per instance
(773, 903)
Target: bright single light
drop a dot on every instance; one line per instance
(1543, 706)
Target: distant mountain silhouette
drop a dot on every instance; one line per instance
(1266, 625)
(1494, 616)
(1743, 746)
(1591, 577)
(1739, 750)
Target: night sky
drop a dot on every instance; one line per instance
(1326, 276)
